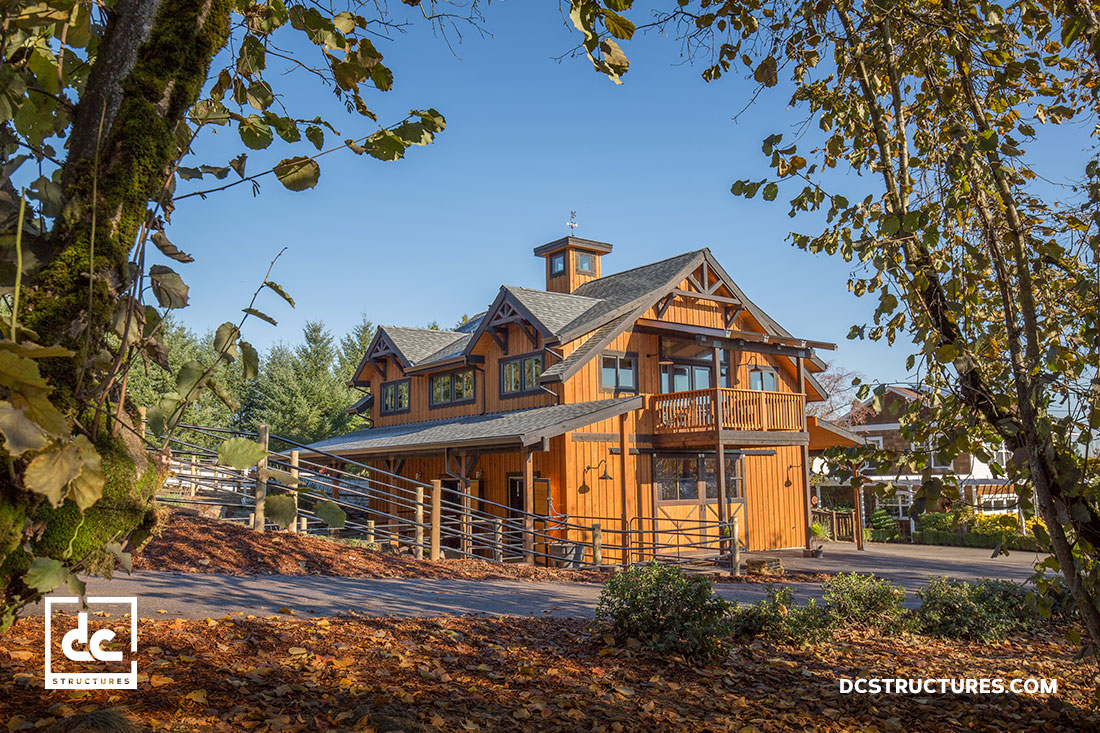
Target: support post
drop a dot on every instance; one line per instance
(624, 470)
(529, 507)
(597, 544)
(805, 451)
(303, 523)
(294, 457)
(418, 546)
(735, 550)
(498, 541)
(474, 493)
(720, 457)
(857, 519)
(370, 532)
(261, 481)
(437, 513)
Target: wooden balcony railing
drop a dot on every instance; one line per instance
(742, 409)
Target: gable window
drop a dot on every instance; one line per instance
(520, 375)
(452, 389)
(395, 397)
(586, 264)
(763, 379)
(618, 372)
(557, 263)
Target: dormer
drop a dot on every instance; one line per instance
(571, 262)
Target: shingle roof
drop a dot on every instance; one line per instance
(582, 353)
(523, 427)
(554, 310)
(423, 344)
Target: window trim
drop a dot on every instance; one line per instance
(552, 259)
(523, 392)
(582, 271)
(619, 355)
(433, 405)
(382, 393)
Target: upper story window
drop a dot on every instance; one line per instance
(763, 379)
(520, 375)
(452, 389)
(395, 397)
(618, 372)
(935, 458)
(586, 264)
(1000, 454)
(557, 263)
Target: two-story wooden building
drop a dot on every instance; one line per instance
(637, 400)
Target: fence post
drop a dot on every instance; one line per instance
(735, 549)
(194, 483)
(304, 522)
(261, 481)
(498, 541)
(294, 454)
(474, 492)
(418, 546)
(437, 513)
(370, 531)
(597, 544)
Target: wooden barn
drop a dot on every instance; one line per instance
(649, 401)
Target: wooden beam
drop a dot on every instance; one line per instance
(720, 454)
(624, 481)
(691, 279)
(528, 507)
(706, 296)
(805, 451)
(747, 337)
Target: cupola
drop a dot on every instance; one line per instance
(571, 262)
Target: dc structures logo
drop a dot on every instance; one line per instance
(79, 646)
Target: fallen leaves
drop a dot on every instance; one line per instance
(357, 673)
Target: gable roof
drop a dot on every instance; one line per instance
(554, 311)
(519, 427)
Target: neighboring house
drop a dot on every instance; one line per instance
(595, 399)
(977, 483)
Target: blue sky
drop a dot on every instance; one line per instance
(646, 165)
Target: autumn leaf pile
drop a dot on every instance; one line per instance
(355, 673)
(191, 544)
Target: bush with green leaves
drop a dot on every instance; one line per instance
(984, 610)
(852, 599)
(882, 521)
(779, 618)
(936, 521)
(820, 531)
(666, 610)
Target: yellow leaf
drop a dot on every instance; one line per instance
(159, 680)
(198, 696)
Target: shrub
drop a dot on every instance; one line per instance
(666, 610)
(852, 599)
(820, 531)
(779, 618)
(936, 521)
(884, 523)
(995, 525)
(985, 610)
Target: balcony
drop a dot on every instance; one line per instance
(742, 410)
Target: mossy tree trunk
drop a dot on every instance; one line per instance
(148, 72)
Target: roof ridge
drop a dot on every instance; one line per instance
(426, 330)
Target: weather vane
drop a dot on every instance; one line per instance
(572, 223)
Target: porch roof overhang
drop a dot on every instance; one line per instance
(825, 434)
(516, 430)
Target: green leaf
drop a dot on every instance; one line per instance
(331, 514)
(617, 25)
(87, 488)
(383, 145)
(766, 72)
(946, 354)
(189, 377)
(280, 509)
(225, 341)
(125, 558)
(45, 574)
(49, 473)
(771, 191)
(20, 434)
(278, 289)
(286, 478)
(170, 250)
(261, 315)
(240, 453)
(255, 133)
(237, 164)
(260, 95)
(168, 287)
(227, 399)
(890, 226)
(316, 136)
(250, 361)
(298, 173)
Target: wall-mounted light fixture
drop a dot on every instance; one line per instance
(477, 474)
(419, 475)
(605, 476)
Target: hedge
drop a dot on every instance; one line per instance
(957, 539)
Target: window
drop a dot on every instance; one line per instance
(763, 379)
(520, 375)
(935, 458)
(679, 478)
(1001, 455)
(875, 440)
(395, 397)
(586, 264)
(691, 366)
(898, 505)
(619, 373)
(557, 263)
(452, 389)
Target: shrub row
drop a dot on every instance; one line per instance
(973, 539)
(668, 611)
